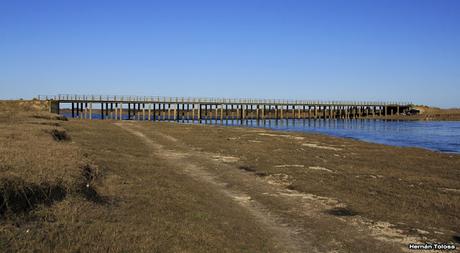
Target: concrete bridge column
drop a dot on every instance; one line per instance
(143, 111)
(238, 115)
(120, 111)
(263, 112)
(221, 113)
(149, 117)
(114, 112)
(193, 112)
(176, 112)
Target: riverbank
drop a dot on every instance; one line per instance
(144, 186)
(433, 113)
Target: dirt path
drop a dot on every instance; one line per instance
(300, 222)
(286, 235)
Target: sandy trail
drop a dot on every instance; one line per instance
(298, 221)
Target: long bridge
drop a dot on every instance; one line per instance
(198, 109)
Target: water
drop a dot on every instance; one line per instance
(443, 136)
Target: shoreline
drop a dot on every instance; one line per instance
(311, 131)
(306, 132)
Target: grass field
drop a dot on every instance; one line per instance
(106, 186)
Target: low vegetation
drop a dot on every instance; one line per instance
(413, 189)
(90, 187)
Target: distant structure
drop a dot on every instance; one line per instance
(199, 109)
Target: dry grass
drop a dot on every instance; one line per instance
(90, 187)
(403, 186)
(29, 149)
(433, 113)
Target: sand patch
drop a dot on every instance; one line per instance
(325, 201)
(290, 166)
(283, 135)
(225, 159)
(242, 198)
(175, 155)
(169, 137)
(387, 232)
(450, 190)
(320, 168)
(279, 179)
(314, 145)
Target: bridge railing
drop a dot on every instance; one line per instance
(159, 99)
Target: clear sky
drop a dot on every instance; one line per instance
(329, 50)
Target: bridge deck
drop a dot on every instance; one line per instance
(215, 101)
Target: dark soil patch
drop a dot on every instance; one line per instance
(247, 168)
(456, 238)
(261, 174)
(91, 194)
(341, 211)
(50, 117)
(18, 196)
(85, 186)
(291, 187)
(60, 135)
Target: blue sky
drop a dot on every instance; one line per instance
(329, 50)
